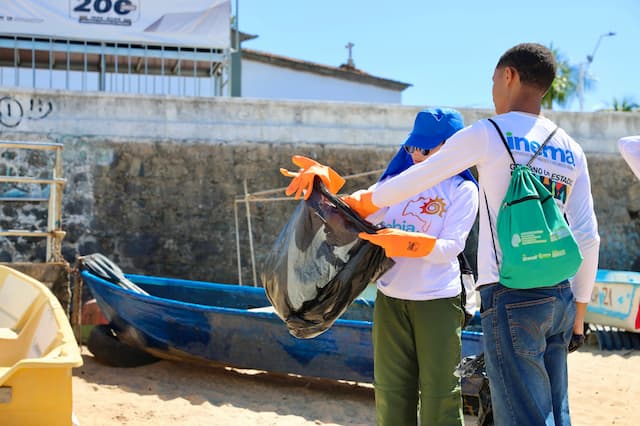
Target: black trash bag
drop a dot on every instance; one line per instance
(476, 394)
(318, 265)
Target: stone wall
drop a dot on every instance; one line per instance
(152, 181)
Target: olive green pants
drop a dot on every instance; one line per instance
(416, 346)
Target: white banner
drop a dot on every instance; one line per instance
(192, 23)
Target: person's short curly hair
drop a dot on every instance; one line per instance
(534, 63)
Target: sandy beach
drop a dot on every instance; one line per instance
(604, 390)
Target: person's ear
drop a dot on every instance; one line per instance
(508, 74)
(511, 75)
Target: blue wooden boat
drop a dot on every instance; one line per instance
(613, 314)
(615, 300)
(235, 325)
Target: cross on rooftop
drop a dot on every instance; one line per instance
(350, 63)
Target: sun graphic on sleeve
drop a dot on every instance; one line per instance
(434, 206)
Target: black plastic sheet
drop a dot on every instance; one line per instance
(318, 265)
(99, 265)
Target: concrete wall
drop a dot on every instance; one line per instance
(151, 181)
(260, 80)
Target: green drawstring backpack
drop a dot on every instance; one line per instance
(538, 248)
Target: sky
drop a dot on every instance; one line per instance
(447, 50)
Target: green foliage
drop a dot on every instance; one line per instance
(565, 86)
(625, 105)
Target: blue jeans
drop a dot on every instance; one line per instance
(526, 334)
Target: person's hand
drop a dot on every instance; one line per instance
(578, 323)
(361, 203)
(577, 340)
(302, 182)
(401, 243)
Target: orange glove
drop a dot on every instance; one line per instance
(303, 179)
(361, 203)
(396, 242)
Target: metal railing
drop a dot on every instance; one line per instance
(53, 233)
(49, 63)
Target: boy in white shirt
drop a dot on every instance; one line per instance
(418, 312)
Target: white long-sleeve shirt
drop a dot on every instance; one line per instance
(630, 149)
(562, 165)
(446, 211)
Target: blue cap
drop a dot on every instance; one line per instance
(432, 126)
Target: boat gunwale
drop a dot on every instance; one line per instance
(162, 301)
(616, 277)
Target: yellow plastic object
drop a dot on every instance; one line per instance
(37, 351)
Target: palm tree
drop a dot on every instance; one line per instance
(565, 86)
(625, 105)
